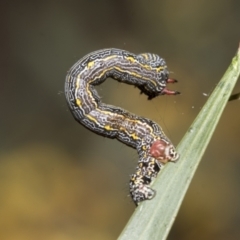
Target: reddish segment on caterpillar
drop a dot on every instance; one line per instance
(149, 73)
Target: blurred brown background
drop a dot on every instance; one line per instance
(59, 180)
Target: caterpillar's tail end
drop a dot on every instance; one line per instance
(141, 192)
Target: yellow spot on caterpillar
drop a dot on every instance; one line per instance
(134, 136)
(144, 148)
(78, 102)
(77, 82)
(90, 64)
(130, 59)
(92, 118)
(108, 128)
(148, 67)
(161, 68)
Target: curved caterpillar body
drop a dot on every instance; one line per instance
(149, 73)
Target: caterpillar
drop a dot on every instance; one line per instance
(148, 72)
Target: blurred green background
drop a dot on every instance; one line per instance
(59, 180)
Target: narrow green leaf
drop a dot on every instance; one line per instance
(153, 219)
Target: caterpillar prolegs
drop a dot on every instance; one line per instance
(149, 73)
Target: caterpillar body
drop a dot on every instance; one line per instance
(149, 73)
